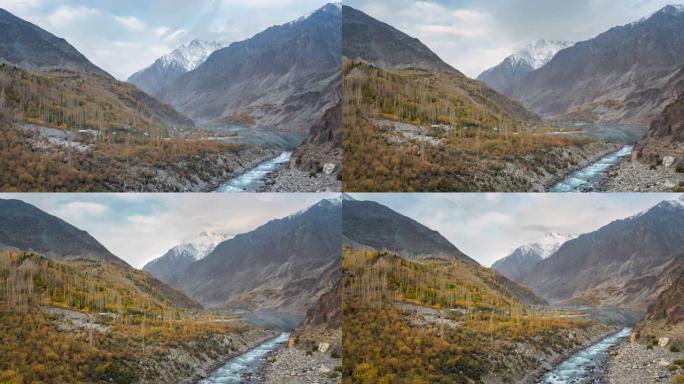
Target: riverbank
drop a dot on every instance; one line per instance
(633, 363)
(295, 180)
(634, 176)
(187, 363)
(589, 177)
(294, 366)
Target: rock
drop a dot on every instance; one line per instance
(632, 338)
(668, 161)
(324, 369)
(291, 342)
(663, 363)
(323, 347)
(329, 168)
(663, 341)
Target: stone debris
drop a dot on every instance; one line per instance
(634, 363)
(632, 176)
(295, 366)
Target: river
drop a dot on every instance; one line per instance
(245, 365)
(587, 365)
(251, 180)
(590, 177)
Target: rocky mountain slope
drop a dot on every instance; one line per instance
(665, 138)
(516, 66)
(28, 46)
(178, 258)
(283, 266)
(371, 41)
(27, 228)
(627, 74)
(623, 264)
(523, 258)
(367, 224)
(283, 78)
(168, 68)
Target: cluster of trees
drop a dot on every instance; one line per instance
(384, 343)
(71, 101)
(476, 143)
(38, 346)
(107, 166)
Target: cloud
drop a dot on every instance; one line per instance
(67, 15)
(131, 22)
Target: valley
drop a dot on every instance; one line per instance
(67, 297)
(556, 113)
(68, 125)
(417, 309)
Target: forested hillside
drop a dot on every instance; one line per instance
(75, 322)
(431, 321)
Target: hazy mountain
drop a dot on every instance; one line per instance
(665, 137)
(27, 228)
(620, 264)
(166, 69)
(516, 66)
(28, 46)
(283, 78)
(523, 258)
(178, 258)
(367, 224)
(627, 74)
(282, 266)
(381, 45)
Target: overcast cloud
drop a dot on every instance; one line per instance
(488, 227)
(141, 227)
(474, 35)
(124, 36)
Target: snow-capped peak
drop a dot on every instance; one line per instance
(200, 246)
(191, 55)
(540, 53)
(547, 245)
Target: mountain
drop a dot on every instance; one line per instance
(523, 258)
(665, 137)
(283, 266)
(178, 258)
(27, 228)
(619, 265)
(513, 68)
(168, 68)
(283, 78)
(367, 224)
(627, 74)
(370, 40)
(28, 46)
(373, 42)
(46, 70)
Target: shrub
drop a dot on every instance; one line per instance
(674, 348)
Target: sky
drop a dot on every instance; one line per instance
(474, 35)
(141, 227)
(487, 227)
(124, 36)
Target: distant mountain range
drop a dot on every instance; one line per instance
(284, 266)
(168, 68)
(53, 64)
(371, 41)
(625, 75)
(284, 78)
(623, 264)
(523, 258)
(513, 68)
(178, 259)
(27, 228)
(373, 226)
